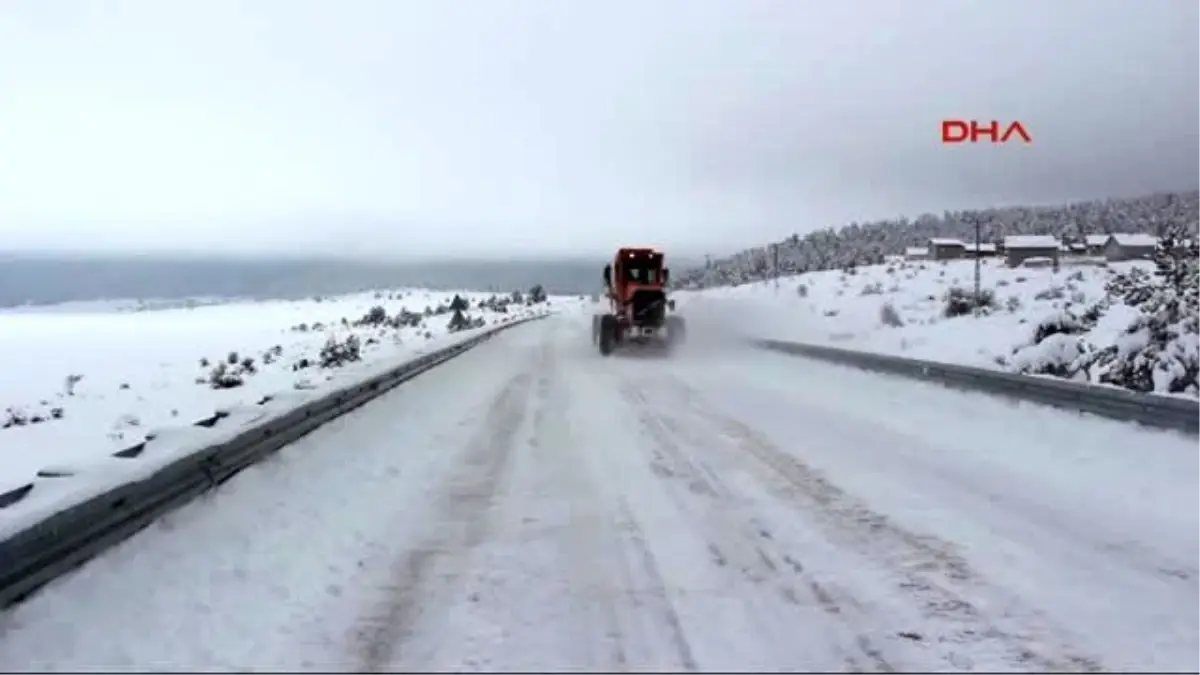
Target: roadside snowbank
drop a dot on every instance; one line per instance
(75, 386)
(925, 310)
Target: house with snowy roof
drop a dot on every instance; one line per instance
(1124, 246)
(1021, 247)
(1095, 243)
(984, 249)
(946, 249)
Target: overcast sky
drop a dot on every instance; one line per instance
(527, 126)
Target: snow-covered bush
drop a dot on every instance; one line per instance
(224, 376)
(337, 353)
(872, 289)
(376, 316)
(1055, 346)
(460, 322)
(960, 301)
(889, 316)
(1052, 293)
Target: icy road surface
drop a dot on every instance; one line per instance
(531, 506)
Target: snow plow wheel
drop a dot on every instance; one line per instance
(676, 330)
(607, 329)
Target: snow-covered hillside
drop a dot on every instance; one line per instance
(869, 243)
(1111, 325)
(79, 383)
(1120, 324)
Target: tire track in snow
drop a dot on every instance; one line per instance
(635, 542)
(626, 594)
(744, 544)
(562, 472)
(927, 569)
(566, 578)
(477, 603)
(461, 522)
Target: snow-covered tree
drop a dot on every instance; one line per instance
(867, 243)
(1159, 350)
(536, 294)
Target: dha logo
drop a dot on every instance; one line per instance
(969, 131)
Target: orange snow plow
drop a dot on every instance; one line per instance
(639, 311)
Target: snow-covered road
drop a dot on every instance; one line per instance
(532, 506)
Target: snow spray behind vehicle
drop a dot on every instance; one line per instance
(718, 326)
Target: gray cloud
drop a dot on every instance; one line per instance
(505, 127)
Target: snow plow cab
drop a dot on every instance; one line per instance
(639, 312)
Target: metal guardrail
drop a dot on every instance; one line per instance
(51, 547)
(1162, 412)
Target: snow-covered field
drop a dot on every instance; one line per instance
(533, 506)
(80, 382)
(900, 308)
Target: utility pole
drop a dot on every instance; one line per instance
(977, 264)
(775, 264)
